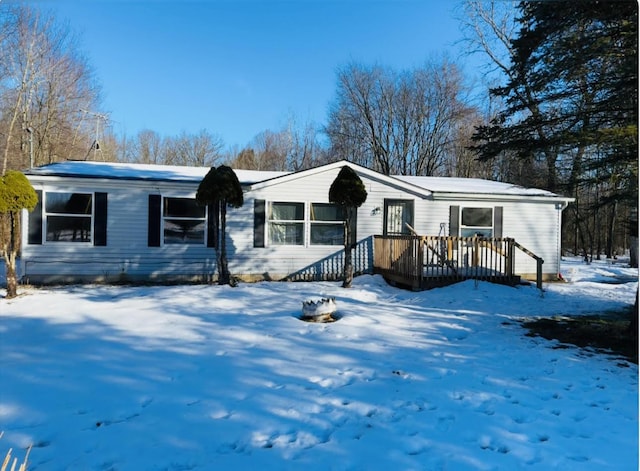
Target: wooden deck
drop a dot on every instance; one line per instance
(425, 262)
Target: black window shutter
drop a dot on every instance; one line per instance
(353, 229)
(412, 216)
(258, 223)
(454, 220)
(35, 222)
(100, 220)
(497, 221)
(213, 215)
(154, 220)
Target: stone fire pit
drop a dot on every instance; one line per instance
(320, 310)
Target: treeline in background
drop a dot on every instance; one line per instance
(556, 108)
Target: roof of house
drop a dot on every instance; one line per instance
(146, 172)
(471, 185)
(174, 173)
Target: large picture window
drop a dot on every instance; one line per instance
(326, 224)
(477, 222)
(184, 221)
(68, 216)
(286, 224)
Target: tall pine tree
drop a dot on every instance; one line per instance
(572, 103)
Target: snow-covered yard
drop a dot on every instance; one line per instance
(210, 377)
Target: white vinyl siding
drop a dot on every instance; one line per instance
(283, 260)
(533, 224)
(127, 255)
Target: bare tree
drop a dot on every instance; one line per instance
(245, 159)
(44, 82)
(146, 148)
(199, 150)
(306, 150)
(397, 123)
(436, 114)
(358, 120)
(489, 27)
(463, 162)
(292, 148)
(19, 52)
(271, 150)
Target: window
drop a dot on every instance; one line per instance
(286, 224)
(303, 224)
(327, 226)
(477, 222)
(68, 217)
(183, 221)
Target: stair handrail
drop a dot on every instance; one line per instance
(539, 261)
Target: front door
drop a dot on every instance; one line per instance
(397, 214)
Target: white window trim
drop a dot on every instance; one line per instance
(328, 223)
(205, 220)
(46, 214)
(306, 224)
(269, 221)
(479, 228)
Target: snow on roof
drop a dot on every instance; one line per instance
(471, 185)
(148, 172)
(127, 171)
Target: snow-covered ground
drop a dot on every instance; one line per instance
(217, 378)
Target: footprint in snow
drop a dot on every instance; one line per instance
(400, 373)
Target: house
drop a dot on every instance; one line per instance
(102, 221)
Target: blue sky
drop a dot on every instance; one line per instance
(237, 68)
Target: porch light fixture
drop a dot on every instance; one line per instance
(375, 211)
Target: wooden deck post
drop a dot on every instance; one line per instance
(510, 257)
(476, 251)
(423, 262)
(539, 263)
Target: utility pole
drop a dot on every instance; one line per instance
(96, 145)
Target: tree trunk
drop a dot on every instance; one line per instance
(633, 325)
(348, 267)
(11, 276)
(9, 248)
(348, 259)
(610, 230)
(223, 267)
(633, 252)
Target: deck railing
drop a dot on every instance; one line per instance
(428, 261)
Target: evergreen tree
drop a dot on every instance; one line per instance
(220, 188)
(574, 91)
(16, 194)
(572, 103)
(348, 192)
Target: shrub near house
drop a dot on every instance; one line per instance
(16, 194)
